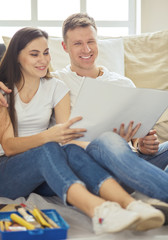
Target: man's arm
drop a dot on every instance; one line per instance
(3, 90)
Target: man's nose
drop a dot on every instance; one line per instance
(86, 48)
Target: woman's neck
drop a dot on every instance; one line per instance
(27, 89)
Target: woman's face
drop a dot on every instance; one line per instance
(34, 59)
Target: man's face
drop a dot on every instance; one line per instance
(81, 45)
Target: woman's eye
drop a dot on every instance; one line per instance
(46, 53)
(34, 55)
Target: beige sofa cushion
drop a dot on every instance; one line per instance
(146, 64)
(162, 131)
(146, 59)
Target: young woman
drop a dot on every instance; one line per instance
(31, 154)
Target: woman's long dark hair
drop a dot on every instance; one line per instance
(10, 71)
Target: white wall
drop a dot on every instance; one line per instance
(154, 15)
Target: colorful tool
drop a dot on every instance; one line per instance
(21, 221)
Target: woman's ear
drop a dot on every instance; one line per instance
(64, 46)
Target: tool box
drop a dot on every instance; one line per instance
(37, 234)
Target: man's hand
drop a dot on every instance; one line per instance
(149, 144)
(129, 134)
(3, 102)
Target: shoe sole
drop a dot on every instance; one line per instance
(164, 210)
(148, 224)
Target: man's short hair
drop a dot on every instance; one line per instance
(77, 20)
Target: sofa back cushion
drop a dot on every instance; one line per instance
(146, 64)
(146, 59)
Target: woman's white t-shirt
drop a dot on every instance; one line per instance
(34, 117)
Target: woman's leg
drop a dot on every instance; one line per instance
(23, 173)
(114, 154)
(97, 179)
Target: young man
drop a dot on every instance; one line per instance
(110, 150)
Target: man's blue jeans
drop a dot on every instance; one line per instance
(114, 154)
(49, 165)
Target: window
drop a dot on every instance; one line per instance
(113, 18)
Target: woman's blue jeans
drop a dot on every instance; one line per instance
(49, 165)
(114, 154)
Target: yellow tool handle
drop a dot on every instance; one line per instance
(7, 225)
(21, 221)
(40, 219)
(50, 221)
(2, 228)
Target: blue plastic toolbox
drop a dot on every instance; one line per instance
(37, 234)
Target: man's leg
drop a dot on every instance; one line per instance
(160, 159)
(114, 154)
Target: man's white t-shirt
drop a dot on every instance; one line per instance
(74, 81)
(34, 117)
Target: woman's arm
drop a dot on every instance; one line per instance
(59, 133)
(13, 145)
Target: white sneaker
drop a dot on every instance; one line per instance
(156, 203)
(111, 217)
(149, 216)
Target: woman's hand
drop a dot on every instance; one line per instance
(3, 102)
(129, 134)
(62, 132)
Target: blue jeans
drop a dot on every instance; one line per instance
(49, 165)
(114, 154)
(160, 159)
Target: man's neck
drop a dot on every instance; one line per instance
(92, 73)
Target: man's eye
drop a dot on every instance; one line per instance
(91, 42)
(77, 43)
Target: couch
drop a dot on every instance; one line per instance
(142, 58)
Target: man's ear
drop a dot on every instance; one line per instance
(64, 46)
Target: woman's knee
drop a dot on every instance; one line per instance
(52, 149)
(51, 145)
(74, 151)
